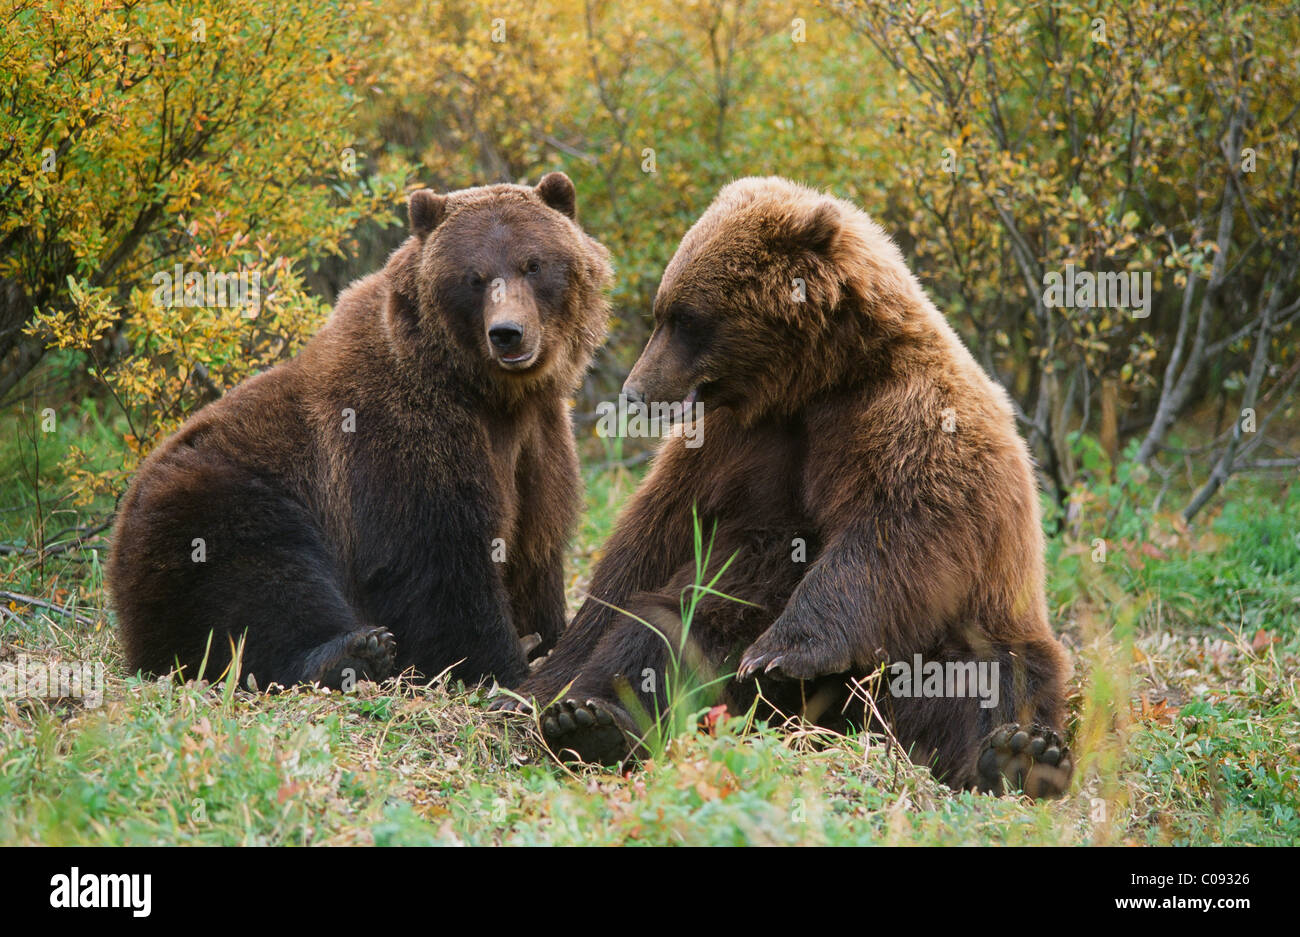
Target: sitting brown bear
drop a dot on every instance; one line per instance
(867, 478)
(400, 494)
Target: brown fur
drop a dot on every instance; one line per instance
(824, 420)
(324, 546)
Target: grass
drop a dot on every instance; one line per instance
(1184, 713)
(690, 688)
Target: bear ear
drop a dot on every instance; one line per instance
(556, 190)
(425, 208)
(818, 228)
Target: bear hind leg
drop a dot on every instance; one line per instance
(997, 744)
(210, 559)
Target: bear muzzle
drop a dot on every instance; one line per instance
(513, 345)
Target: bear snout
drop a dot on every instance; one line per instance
(659, 382)
(513, 344)
(506, 337)
(633, 394)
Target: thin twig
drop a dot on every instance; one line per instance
(41, 603)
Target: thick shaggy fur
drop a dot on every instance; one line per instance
(841, 411)
(401, 493)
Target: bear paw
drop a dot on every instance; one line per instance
(594, 732)
(1028, 758)
(784, 661)
(369, 654)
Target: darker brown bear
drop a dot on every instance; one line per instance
(867, 478)
(400, 494)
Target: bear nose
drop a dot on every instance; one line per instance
(507, 336)
(633, 394)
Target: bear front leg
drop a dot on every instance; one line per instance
(549, 490)
(857, 606)
(789, 650)
(439, 589)
(537, 602)
(465, 625)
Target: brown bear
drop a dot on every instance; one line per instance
(398, 495)
(865, 479)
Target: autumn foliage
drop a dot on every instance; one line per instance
(1001, 142)
(137, 136)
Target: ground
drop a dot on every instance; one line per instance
(1184, 710)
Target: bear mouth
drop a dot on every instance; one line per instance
(687, 404)
(700, 393)
(518, 362)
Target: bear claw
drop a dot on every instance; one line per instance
(1029, 758)
(783, 664)
(510, 704)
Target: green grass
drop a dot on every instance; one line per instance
(1184, 715)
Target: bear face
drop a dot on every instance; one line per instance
(510, 286)
(762, 270)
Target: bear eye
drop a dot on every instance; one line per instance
(477, 281)
(681, 318)
(534, 267)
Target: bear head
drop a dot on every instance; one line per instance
(504, 279)
(777, 293)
